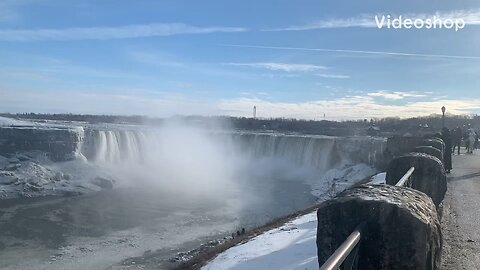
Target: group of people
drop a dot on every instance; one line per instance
(453, 140)
(468, 135)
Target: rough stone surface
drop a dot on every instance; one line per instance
(429, 176)
(3, 162)
(398, 146)
(429, 150)
(402, 228)
(435, 142)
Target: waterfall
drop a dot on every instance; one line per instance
(320, 152)
(305, 151)
(114, 146)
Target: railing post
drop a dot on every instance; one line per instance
(389, 212)
(429, 176)
(346, 255)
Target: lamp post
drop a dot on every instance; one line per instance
(443, 116)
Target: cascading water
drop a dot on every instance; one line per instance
(302, 151)
(211, 163)
(177, 184)
(319, 152)
(113, 146)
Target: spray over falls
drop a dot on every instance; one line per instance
(164, 187)
(317, 152)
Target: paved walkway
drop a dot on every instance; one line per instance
(461, 214)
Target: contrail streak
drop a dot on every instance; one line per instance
(357, 52)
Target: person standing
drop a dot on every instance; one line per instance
(457, 139)
(466, 138)
(477, 137)
(471, 140)
(447, 154)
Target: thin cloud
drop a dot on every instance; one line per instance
(279, 75)
(361, 21)
(395, 95)
(383, 53)
(332, 76)
(163, 103)
(118, 102)
(106, 33)
(341, 108)
(282, 66)
(159, 59)
(470, 16)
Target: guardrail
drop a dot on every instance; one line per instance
(347, 254)
(406, 179)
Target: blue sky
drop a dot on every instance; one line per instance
(299, 59)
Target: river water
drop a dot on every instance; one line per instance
(175, 189)
(101, 230)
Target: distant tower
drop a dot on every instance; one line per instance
(254, 112)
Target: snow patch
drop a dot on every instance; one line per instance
(4, 121)
(32, 174)
(291, 246)
(338, 179)
(379, 178)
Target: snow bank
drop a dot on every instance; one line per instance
(338, 179)
(379, 178)
(291, 246)
(33, 174)
(4, 121)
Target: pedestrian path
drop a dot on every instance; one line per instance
(461, 214)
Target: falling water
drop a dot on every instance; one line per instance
(183, 186)
(319, 152)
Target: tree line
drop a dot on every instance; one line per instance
(328, 127)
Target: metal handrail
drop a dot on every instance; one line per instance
(405, 178)
(344, 254)
(344, 251)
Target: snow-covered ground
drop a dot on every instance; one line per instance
(338, 179)
(32, 174)
(291, 246)
(379, 178)
(4, 121)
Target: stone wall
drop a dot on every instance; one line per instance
(402, 228)
(429, 175)
(401, 224)
(397, 145)
(434, 142)
(429, 150)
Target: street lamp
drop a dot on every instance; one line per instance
(443, 116)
